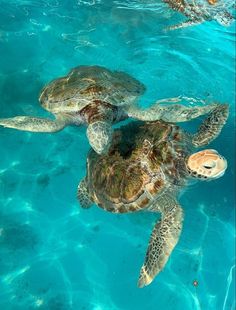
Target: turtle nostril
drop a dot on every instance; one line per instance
(209, 165)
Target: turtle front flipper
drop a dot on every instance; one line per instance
(33, 124)
(83, 195)
(99, 134)
(212, 126)
(170, 112)
(224, 18)
(164, 237)
(187, 23)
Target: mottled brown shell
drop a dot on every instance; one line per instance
(86, 84)
(119, 180)
(144, 159)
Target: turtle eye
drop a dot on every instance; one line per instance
(209, 165)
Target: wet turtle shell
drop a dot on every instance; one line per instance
(144, 159)
(86, 84)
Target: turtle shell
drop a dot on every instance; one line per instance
(118, 185)
(86, 84)
(144, 160)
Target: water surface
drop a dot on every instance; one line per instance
(55, 255)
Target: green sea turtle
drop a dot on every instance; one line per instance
(146, 167)
(200, 11)
(98, 97)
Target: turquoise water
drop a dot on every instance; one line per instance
(55, 255)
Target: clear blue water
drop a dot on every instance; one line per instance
(55, 255)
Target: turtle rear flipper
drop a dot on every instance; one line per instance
(164, 237)
(83, 195)
(212, 126)
(33, 124)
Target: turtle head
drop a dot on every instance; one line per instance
(206, 164)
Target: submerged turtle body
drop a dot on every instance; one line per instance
(200, 11)
(90, 84)
(145, 169)
(143, 161)
(98, 97)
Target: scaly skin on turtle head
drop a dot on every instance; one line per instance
(206, 165)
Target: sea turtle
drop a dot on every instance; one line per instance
(201, 10)
(146, 167)
(98, 97)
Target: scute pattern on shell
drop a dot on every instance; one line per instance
(85, 84)
(129, 175)
(118, 181)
